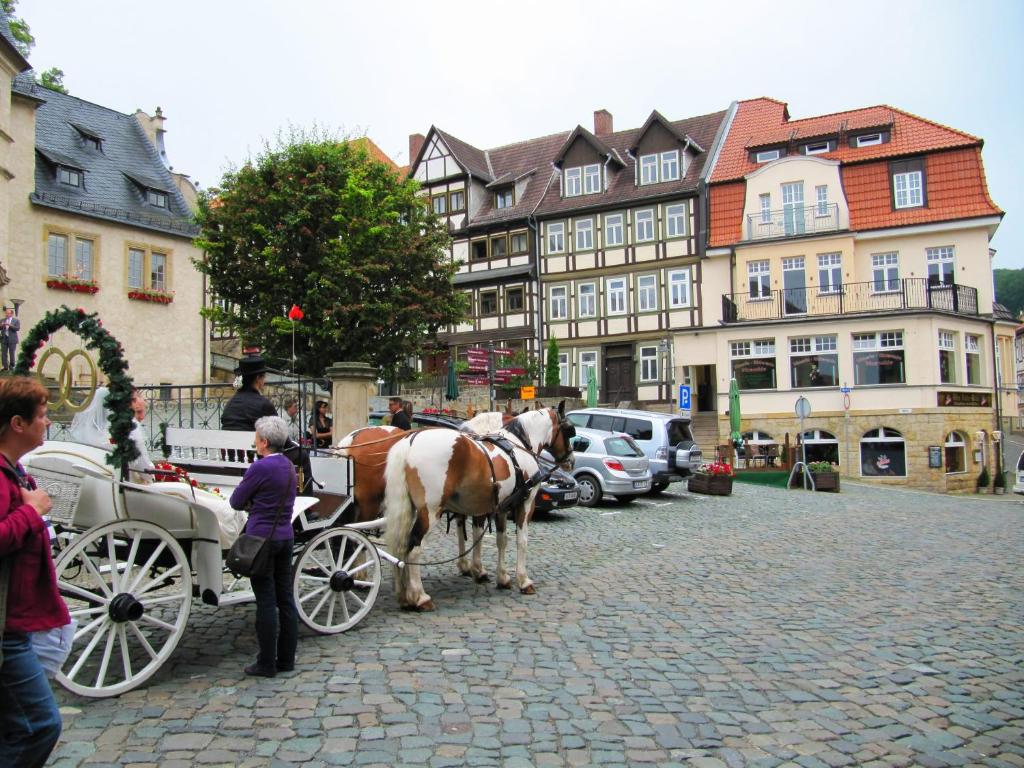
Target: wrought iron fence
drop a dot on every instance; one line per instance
(851, 298)
(792, 222)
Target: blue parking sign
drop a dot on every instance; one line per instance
(684, 397)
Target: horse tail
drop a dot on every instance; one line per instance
(398, 511)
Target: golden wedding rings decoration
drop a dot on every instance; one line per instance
(65, 389)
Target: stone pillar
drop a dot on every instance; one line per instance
(350, 395)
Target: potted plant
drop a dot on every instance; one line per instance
(983, 480)
(73, 284)
(826, 475)
(999, 483)
(712, 479)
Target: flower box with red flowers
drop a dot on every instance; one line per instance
(712, 479)
(148, 294)
(73, 284)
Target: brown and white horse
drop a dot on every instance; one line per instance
(437, 470)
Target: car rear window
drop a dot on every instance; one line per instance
(638, 429)
(621, 446)
(678, 431)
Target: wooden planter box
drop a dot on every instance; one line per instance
(826, 481)
(712, 485)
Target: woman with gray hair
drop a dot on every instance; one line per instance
(268, 491)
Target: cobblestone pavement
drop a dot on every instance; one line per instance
(875, 627)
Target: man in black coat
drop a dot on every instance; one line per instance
(398, 416)
(248, 404)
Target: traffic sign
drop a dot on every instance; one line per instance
(803, 407)
(845, 390)
(684, 397)
(527, 393)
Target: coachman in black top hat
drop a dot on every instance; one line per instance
(248, 404)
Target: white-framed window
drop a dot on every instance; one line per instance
(587, 299)
(972, 361)
(675, 220)
(941, 265)
(644, 225)
(158, 271)
(504, 198)
(679, 288)
(57, 255)
(70, 176)
(648, 169)
(79, 264)
(648, 364)
(766, 208)
(753, 363)
(670, 165)
(647, 293)
(869, 139)
(759, 279)
(440, 204)
(909, 189)
(573, 182)
(814, 361)
(821, 193)
(616, 287)
(588, 368)
(613, 230)
(563, 368)
(559, 303)
(136, 268)
(885, 272)
(816, 148)
(83, 258)
(591, 179)
(879, 358)
(830, 272)
(584, 234)
(766, 155)
(947, 357)
(156, 198)
(556, 237)
(956, 453)
(883, 453)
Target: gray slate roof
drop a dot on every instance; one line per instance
(115, 176)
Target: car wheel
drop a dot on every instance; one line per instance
(590, 491)
(657, 488)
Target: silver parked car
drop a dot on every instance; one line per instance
(609, 463)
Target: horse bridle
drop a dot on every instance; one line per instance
(565, 428)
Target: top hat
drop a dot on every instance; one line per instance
(251, 365)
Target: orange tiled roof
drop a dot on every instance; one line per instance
(726, 205)
(952, 187)
(765, 121)
(375, 152)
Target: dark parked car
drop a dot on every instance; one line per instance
(558, 492)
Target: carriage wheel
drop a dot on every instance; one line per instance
(337, 578)
(128, 585)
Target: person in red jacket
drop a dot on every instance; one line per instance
(30, 722)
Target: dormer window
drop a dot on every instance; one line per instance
(156, 198)
(591, 179)
(582, 180)
(573, 182)
(70, 176)
(869, 139)
(504, 198)
(817, 148)
(648, 169)
(90, 139)
(767, 155)
(670, 165)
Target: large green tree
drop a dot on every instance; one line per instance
(317, 222)
(1009, 285)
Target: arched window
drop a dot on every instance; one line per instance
(757, 437)
(821, 446)
(956, 453)
(883, 453)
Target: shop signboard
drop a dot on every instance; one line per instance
(964, 399)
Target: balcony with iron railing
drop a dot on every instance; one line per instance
(795, 221)
(877, 296)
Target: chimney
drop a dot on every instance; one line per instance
(602, 122)
(415, 145)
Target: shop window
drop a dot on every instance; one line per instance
(947, 357)
(883, 453)
(753, 363)
(814, 361)
(878, 358)
(820, 445)
(956, 453)
(972, 347)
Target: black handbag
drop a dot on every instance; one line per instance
(250, 555)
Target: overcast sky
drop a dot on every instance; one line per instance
(231, 74)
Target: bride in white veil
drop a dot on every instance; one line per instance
(92, 426)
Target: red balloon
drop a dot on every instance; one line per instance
(295, 313)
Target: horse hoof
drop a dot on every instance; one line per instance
(507, 585)
(529, 589)
(483, 578)
(423, 607)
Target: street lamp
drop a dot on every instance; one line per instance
(17, 303)
(665, 348)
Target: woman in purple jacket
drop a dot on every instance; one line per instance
(268, 492)
(29, 720)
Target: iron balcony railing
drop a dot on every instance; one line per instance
(794, 221)
(851, 298)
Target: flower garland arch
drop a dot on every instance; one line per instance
(111, 362)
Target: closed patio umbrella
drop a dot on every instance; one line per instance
(591, 390)
(734, 413)
(451, 387)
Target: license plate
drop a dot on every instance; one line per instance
(570, 497)
(640, 483)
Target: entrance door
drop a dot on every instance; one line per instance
(793, 208)
(794, 285)
(619, 383)
(705, 388)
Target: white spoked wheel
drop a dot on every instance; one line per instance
(337, 578)
(129, 586)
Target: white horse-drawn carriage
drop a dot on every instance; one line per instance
(134, 556)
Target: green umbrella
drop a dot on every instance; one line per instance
(734, 412)
(591, 389)
(451, 387)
